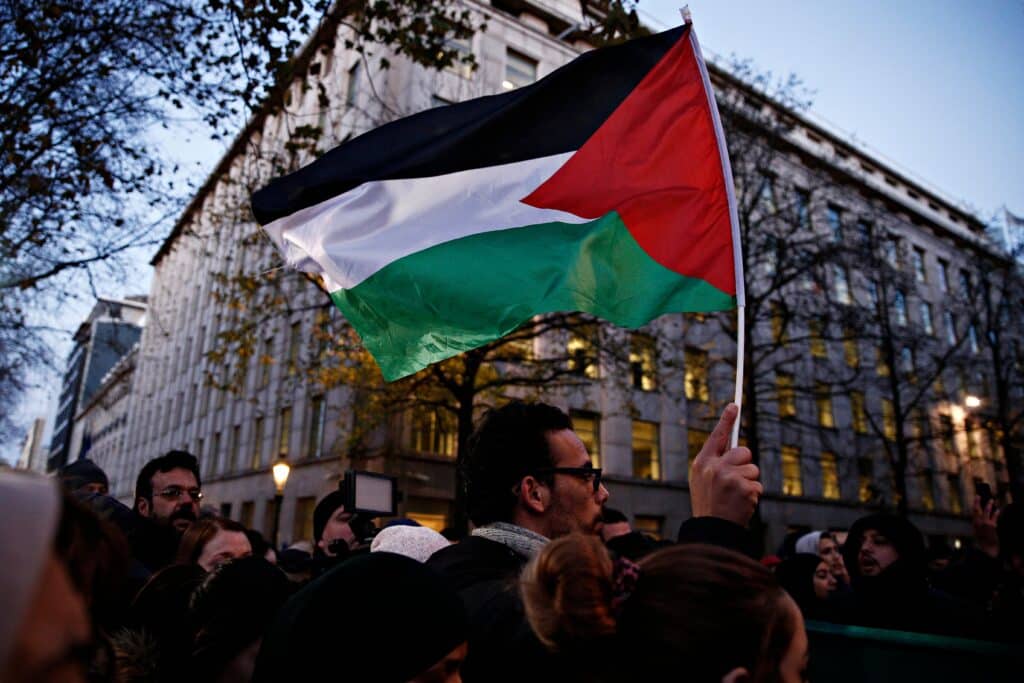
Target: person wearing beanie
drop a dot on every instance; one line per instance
(332, 523)
(885, 555)
(375, 618)
(807, 579)
(84, 476)
(417, 542)
(45, 631)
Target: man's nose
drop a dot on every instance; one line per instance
(603, 494)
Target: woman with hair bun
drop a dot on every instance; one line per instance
(687, 612)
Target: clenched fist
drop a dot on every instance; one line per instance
(723, 480)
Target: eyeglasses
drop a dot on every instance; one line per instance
(175, 492)
(588, 473)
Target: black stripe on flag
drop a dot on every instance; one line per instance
(557, 114)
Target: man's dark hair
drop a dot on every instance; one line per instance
(508, 444)
(172, 460)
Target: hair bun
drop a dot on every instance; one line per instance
(567, 592)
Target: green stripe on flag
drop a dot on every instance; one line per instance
(458, 295)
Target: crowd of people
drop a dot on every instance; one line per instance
(551, 584)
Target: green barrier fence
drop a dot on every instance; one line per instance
(848, 654)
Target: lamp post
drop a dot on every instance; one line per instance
(280, 470)
(971, 401)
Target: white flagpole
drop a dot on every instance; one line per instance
(737, 252)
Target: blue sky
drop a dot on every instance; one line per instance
(936, 87)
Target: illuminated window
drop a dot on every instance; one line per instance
(785, 394)
(643, 362)
(779, 334)
(956, 503)
(865, 480)
(588, 427)
(829, 476)
(792, 481)
(926, 318)
(302, 522)
(946, 432)
(649, 524)
(927, 494)
(315, 440)
(433, 431)
(256, 459)
(696, 378)
(881, 364)
(582, 352)
(971, 431)
(520, 70)
(695, 440)
(284, 431)
(859, 412)
(646, 463)
(938, 386)
(429, 512)
(823, 401)
(888, 420)
(818, 348)
(850, 349)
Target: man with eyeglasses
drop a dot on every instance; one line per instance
(528, 479)
(168, 491)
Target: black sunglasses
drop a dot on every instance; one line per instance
(589, 473)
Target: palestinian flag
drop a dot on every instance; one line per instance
(603, 188)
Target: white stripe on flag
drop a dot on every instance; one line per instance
(350, 237)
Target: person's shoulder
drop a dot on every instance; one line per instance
(475, 551)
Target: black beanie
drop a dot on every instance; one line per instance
(81, 472)
(376, 618)
(904, 536)
(796, 575)
(323, 511)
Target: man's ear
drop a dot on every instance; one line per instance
(737, 675)
(534, 494)
(142, 505)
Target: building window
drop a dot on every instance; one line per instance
(352, 89)
(294, 342)
(971, 432)
(882, 368)
(780, 336)
(927, 495)
(823, 400)
(900, 306)
(649, 524)
(582, 351)
(972, 338)
(817, 339)
(890, 249)
(926, 318)
(302, 523)
(284, 432)
(956, 502)
(864, 233)
(464, 48)
(965, 284)
(646, 462)
(946, 433)
(850, 350)
(266, 360)
(907, 361)
(236, 438)
(247, 513)
(842, 285)
(944, 276)
(858, 412)
(920, 274)
(268, 520)
(643, 362)
(785, 394)
(803, 208)
(888, 420)
(792, 481)
(865, 480)
(520, 70)
(829, 476)
(315, 442)
(429, 512)
(696, 376)
(433, 431)
(214, 455)
(256, 459)
(938, 386)
(950, 328)
(835, 222)
(588, 427)
(695, 440)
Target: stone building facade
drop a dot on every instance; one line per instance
(642, 431)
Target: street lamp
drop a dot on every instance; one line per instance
(280, 470)
(972, 401)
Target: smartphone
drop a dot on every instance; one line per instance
(984, 492)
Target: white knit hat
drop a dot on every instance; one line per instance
(417, 542)
(808, 543)
(29, 509)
